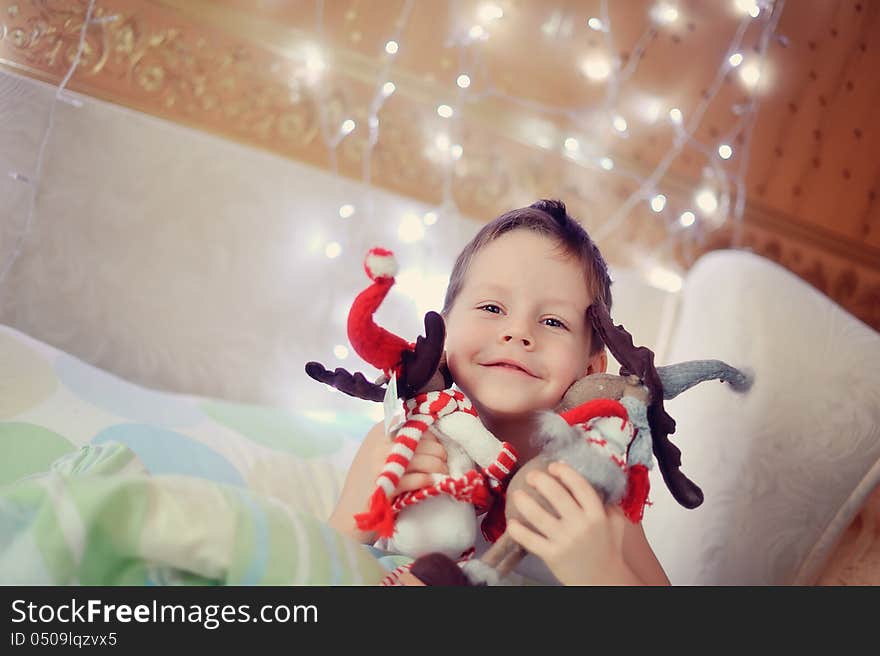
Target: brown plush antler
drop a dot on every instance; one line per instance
(423, 368)
(640, 362)
(352, 384)
(423, 363)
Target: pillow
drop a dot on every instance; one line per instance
(52, 403)
(57, 409)
(785, 468)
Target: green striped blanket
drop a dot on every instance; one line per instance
(97, 517)
(106, 482)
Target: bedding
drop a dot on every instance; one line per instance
(106, 482)
(786, 468)
(97, 517)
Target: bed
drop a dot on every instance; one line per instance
(103, 481)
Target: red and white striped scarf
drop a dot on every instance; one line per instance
(420, 412)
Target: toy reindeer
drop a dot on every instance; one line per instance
(606, 428)
(440, 518)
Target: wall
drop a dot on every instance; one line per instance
(185, 262)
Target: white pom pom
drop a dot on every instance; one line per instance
(479, 572)
(380, 263)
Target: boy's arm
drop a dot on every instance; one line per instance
(640, 558)
(429, 459)
(359, 484)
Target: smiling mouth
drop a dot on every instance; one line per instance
(511, 367)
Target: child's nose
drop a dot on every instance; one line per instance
(517, 332)
(527, 341)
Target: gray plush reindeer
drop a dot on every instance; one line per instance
(606, 427)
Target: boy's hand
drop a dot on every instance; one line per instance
(428, 459)
(584, 544)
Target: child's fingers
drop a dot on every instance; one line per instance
(534, 513)
(412, 482)
(427, 464)
(584, 493)
(526, 538)
(555, 493)
(430, 445)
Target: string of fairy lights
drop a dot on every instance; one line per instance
(720, 196)
(718, 199)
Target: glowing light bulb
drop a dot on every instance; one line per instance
(477, 32)
(619, 123)
(441, 141)
(388, 88)
(725, 151)
(571, 144)
(346, 211)
(649, 109)
(348, 125)
(445, 111)
(411, 228)
(340, 351)
(456, 151)
(333, 249)
(749, 7)
(314, 60)
(596, 68)
(675, 115)
(706, 201)
(687, 218)
(430, 218)
(750, 74)
(658, 202)
(489, 11)
(606, 163)
(391, 47)
(595, 24)
(735, 59)
(463, 81)
(664, 13)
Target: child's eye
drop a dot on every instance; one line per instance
(490, 307)
(554, 323)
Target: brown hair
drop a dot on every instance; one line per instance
(546, 217)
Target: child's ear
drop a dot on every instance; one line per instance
(598, 363)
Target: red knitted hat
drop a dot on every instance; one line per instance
(373, 343)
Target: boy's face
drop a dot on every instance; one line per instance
(517, 334)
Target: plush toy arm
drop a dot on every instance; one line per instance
(468, 431)
(497, 459)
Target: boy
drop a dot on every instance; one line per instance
(517, 338)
